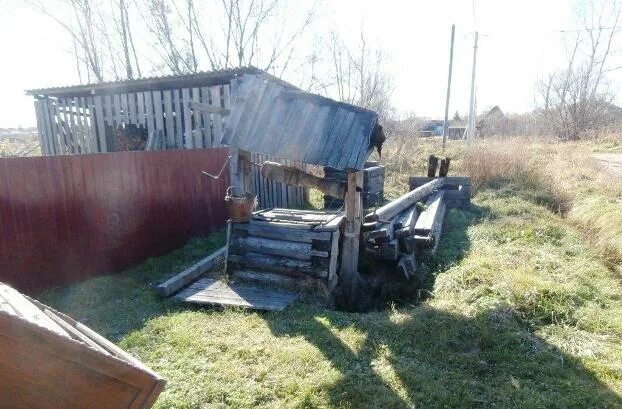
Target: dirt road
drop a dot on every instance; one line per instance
(610, 161)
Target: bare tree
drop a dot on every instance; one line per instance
(358, 76)
(579, 98)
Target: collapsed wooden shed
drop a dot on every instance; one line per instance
(158, 113)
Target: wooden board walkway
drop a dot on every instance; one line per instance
(217, 292)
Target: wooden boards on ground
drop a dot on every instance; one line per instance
(48, 360)
(190, 274)
(217, 292)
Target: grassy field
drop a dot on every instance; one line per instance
(523, 309)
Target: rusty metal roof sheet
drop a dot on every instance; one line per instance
(275, 119)
(200, 79)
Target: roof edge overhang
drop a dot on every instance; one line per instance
(201, 79)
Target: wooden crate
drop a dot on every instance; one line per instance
(373, 186)
(48, 360)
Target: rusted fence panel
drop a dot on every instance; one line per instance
(66, 218)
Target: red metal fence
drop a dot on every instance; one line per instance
(65, 218)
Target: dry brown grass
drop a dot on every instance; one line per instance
(563, 176)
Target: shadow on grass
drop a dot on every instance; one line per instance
(422, 357)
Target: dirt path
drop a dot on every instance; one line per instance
(610, 161)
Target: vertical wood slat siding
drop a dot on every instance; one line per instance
(187, 117)
(179, 130)
(68, 125)
(168, 119)
(79, 134)
(140, 109)
(206, 120)
(49, 131)
(66, 218)
(131, 107)
(197, 127)
(157, 110)
(101, 123)
(216, 118)
(41, 128)
(149, 112)
(93, 129)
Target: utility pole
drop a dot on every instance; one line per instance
(451, 61)
(471, 129)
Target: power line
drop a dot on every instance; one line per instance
(615, 29)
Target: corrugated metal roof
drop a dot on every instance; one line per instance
(272, 118)
(199, 79)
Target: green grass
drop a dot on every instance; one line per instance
(521, 314)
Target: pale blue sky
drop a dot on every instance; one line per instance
(518, 44)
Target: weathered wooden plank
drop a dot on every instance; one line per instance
(66, 104)
(349, 275)
(131, 108)
(168, 119)
(179, 129)
(93, 140)
(197, 128)
(41, 127)
(79, 125)
(395, 207)
(415, 181)
(277, 264)
(270, 231)
(297, 250)
(116, 102)
(239, 295)
(217, 122)
(265, 278)
(140, 111)
(430, 216)
(124, 109)
(101, 123)
(334, 258)
(157, 110)
(187, 115)
(190, 274)
(150, 120)
(15, 304)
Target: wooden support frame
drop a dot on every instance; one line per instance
(349, 276)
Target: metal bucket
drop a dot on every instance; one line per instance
(240, 207)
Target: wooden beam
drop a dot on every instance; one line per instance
(190, 274)
(297, 177)
(349, 276)
(212, 109)
(395, 207)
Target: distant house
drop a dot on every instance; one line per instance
(492, 122)
(434, 127)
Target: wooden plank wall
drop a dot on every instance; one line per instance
(78, 126)
(272, 194)
(66, 218)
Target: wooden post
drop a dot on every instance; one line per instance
(240, 170)
(432, 166)
(349, 276)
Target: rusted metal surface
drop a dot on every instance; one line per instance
(66, 218)
(273, 118)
